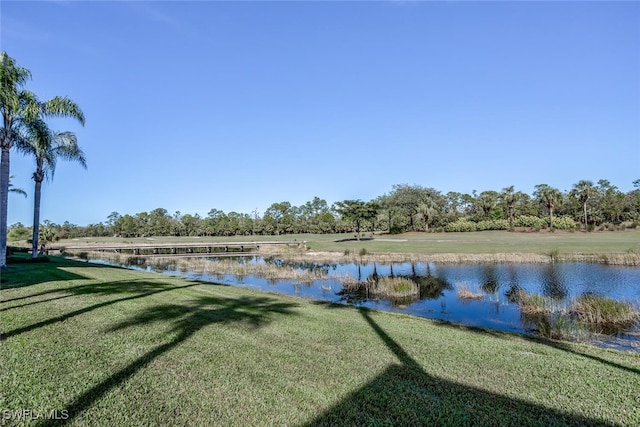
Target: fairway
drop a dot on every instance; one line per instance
(491, 246)
(96, 345)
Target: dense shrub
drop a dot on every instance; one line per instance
(565, 223)
(530, 221)
(18, 233)
(493, 224)
(396, 229)
(467, 225)
(461, 225)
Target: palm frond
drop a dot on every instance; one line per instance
(13, 189)
(11, 72)
(61, 106)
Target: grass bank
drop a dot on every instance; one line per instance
(96, 345)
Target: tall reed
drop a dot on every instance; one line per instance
(576, 317)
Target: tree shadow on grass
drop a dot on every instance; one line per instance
(131, 289)
(186, 320)
(559, 345)
(28, 274)
(404, 394)
(556, 344)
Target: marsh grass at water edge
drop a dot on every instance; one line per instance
(478, 295)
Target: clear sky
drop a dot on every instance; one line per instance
(237, 105)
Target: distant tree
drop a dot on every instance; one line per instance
(128, 226)
(191, 224)
(310, 214)
(159, 223)
(18, 232)
(610, 201)
(407, 199)
(427, 209)
(548, 197)
(486, 201)
(583, 190)
(327, 222)
(454, 205)
(46, 147)
(388, 210)
(142, 224)
(357, 211)
(112, 220)
(632, 203)
(510, 197)
(275, 214)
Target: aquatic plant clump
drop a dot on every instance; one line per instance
(464, 292)
(598, 310)
(393, 287)
(535, 304)
(586, 313)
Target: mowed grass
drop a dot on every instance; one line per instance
(485, 242)
(108, 346)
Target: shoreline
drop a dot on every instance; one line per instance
(619, 259)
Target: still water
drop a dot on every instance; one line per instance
(438, 285)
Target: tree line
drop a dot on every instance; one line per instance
(586, 206)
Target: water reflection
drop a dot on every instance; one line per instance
(400, 290)
(552, 285)
(428, 289)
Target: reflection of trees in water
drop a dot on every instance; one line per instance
(431, 287)
(552, 285)
(310, 266)
(513, 293)
(514, 286)
(428, 286)
(490, 284)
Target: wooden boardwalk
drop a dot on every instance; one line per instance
(181, 249)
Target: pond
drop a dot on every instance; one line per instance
(434, 290)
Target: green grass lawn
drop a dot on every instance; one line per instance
(433, 243)
(109, 346)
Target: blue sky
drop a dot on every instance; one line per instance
(237, 105)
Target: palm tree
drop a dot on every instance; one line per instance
(13, 189)
(47, 146)
(510, 197)
(486, 201)
(547, 196)
(583, 190)
(428, 210)
(18, 107)
(13, 106)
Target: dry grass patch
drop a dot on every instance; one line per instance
(464, 292)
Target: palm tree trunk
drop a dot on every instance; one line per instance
(4, 202)
(36, 216)
(510, 208)
(585, 216)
